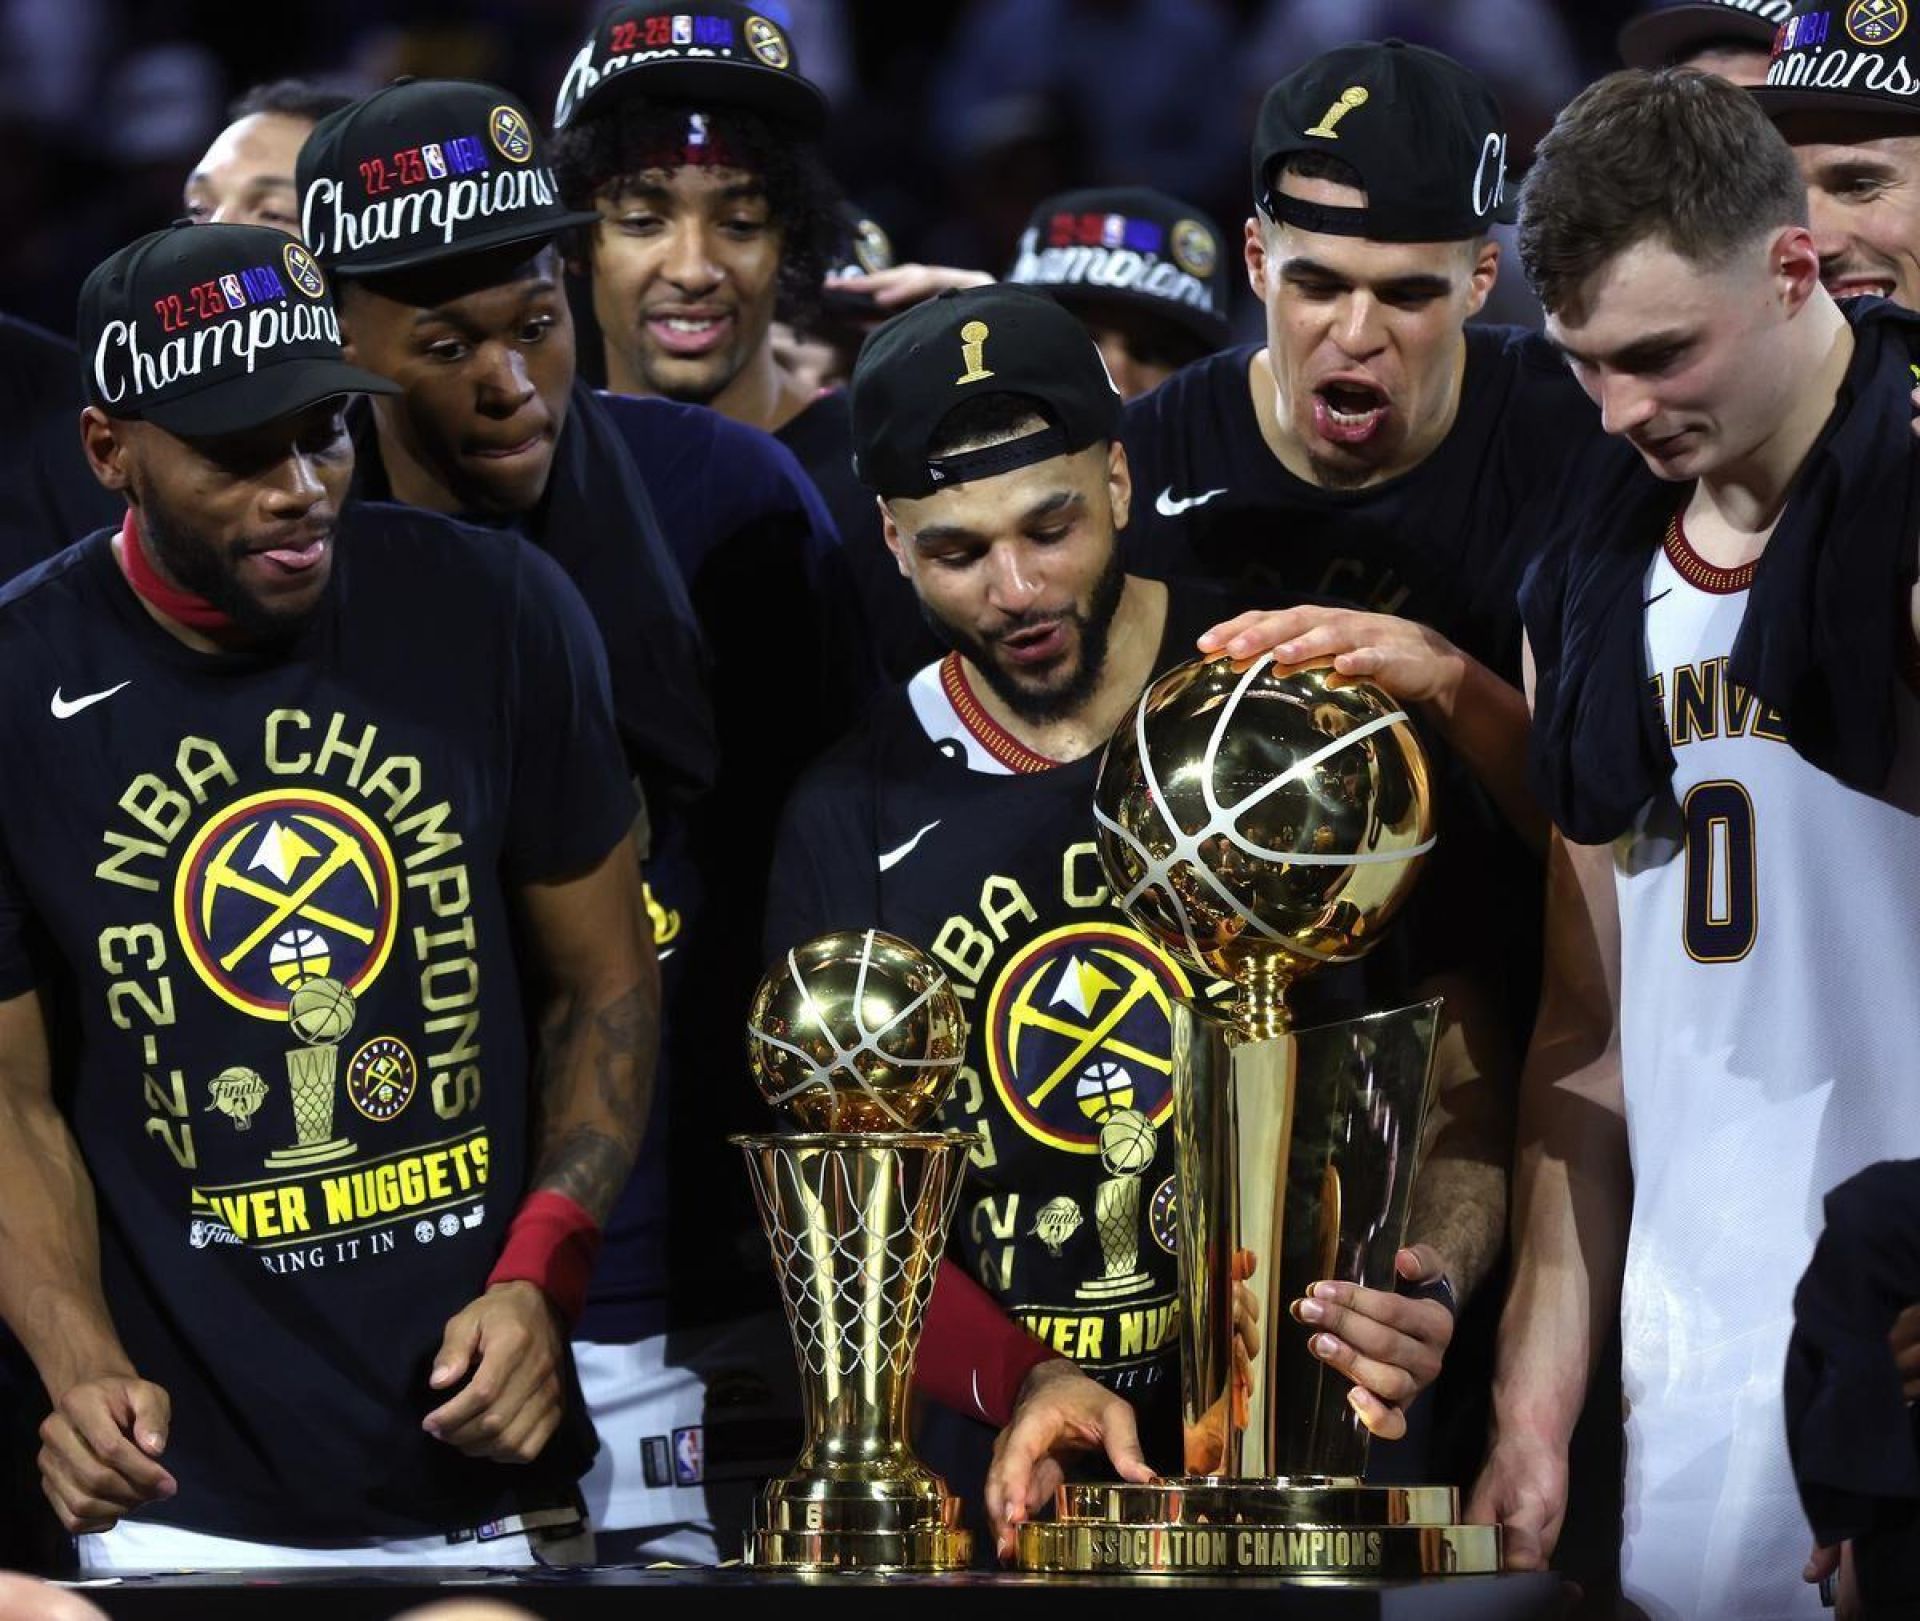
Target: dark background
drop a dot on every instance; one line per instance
(951, 117)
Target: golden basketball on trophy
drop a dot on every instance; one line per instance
(860, 1034)
(1260, 822)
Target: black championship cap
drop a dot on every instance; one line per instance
(1670, 34)
(979, 340)
(1129, 245)
(426, 169)
(1425, 135)
(1859, 57)
(718, 53)
(211, 329)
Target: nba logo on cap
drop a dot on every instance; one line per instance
(682, 29)
(1113, 231)
(230, 285)
(435, 160)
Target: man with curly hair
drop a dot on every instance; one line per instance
(695, 140)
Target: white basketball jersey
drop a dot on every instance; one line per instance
(1770, 1027)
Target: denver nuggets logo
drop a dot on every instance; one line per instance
(381, 1078)
(303, 270)
(1876, 22)
(1193, 248)
(281, 888)
(766, 42)
(512, 137)
(1163, 1214)
(1078, 1026)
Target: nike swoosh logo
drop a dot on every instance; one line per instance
(1168, 506)
(892, 858)
(1658, 598)
(64, 707)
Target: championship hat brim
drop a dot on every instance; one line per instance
(236, 404)
(1659, 38)
(506, 236)
(1778, 103)
(709, 85)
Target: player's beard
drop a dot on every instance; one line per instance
(210, 572)
(1043, 704)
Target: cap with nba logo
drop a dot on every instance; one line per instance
(1669, 34)
(211, 329)
(426, 169)
(978, 340)
(1856, 58)
(719, 53)
(1425, 135)
(1133, 246)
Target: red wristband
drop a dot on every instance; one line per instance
(973, 1356)
(552, 1243)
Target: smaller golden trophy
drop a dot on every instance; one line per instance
(859, 1037)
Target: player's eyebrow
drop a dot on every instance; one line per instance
(1643, 350)
(942, 534)
(1414, 284)
(534, 287)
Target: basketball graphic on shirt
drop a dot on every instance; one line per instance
(282, 888)
(299, 954)
(1127, 1141)
(1079, 1026)
(321, 1010)
(1103, 1087)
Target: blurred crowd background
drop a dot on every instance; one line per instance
(951, 117)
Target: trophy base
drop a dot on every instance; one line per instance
(800, 1529)
(1260, 1528)
(310, 1153)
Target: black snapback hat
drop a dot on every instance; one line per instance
(714, 53)
(211, 329)
(1425, 135)
(423, 170)
(1129, 245)
(1668, 34)
(915, 369)
(1857, 57)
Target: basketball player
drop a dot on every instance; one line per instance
(246, 176)
(1725, 1029)
(957, 816)
(699, 157)
(299, 1296)
(1843, 90)
(1142, 270)
(1733, 38)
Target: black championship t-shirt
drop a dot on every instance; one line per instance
(821, 439)
(1067, 1215)
(1444, 544)
(271, 895)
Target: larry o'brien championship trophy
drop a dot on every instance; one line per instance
(859, 1036)
(1258, 822)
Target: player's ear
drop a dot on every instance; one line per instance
(890, 532)
(105, 444)
(1256, 256)
(1794, 264)
(1484, 273)
(1119, 484)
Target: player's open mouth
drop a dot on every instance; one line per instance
(1041, 644)
(296, 559)
(1857, 286)
(1348, 412)
(695, 332)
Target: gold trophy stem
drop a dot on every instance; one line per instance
(1262, 1012)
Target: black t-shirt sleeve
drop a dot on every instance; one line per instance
(18, 973)
(572, 797)
(826, 864)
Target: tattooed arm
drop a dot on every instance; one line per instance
(591, 945)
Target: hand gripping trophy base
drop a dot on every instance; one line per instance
(857, 1223)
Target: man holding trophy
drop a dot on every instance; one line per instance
(959, 818)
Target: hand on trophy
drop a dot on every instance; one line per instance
(1390, 1345)
(1060, 1410)
(510, 1340)
(1413, 663)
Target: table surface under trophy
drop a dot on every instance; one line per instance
(609, 1591)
